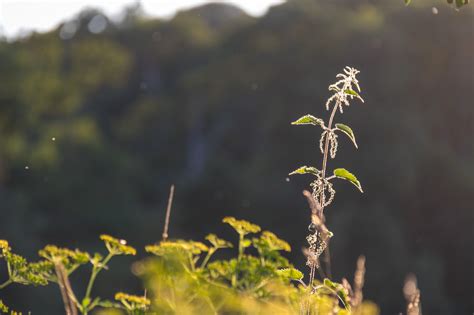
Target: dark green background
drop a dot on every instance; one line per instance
(205, 101)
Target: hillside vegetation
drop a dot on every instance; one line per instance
(94, 128)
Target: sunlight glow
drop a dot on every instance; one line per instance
(18, 17)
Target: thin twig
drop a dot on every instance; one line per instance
(168, 212)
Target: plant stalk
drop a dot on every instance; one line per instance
(95, 272)
(6, 283)
(321, 199)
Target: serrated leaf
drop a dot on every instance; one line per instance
(306, 170)
(340, 291)
(345, 174)
(309, 120)
(291, 273)
(348, 131)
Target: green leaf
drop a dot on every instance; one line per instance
(340, 291)
(351, 92)
(348, 131)
(407, 2)
(290, 273)
(306, 170)
(309, 120)
(460, 3)
(345, 174)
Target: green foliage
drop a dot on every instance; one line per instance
(343, 92)
(246, 284)
(347, 131)
(340, 291)
(309, 120)
(59, 263)
(345, 174)
(107, 134)
(459, 3)
(291, 273)
(323, 191)
(183, 280)
(306, 170)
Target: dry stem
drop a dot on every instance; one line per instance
(66, 290)
(168, 212)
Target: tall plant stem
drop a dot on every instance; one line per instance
(327, 257)
(95, 272)
(326, 147)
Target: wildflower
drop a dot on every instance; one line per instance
(241, 226)
(132, 302)
(117, 246)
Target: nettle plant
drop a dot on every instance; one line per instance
(323, 191)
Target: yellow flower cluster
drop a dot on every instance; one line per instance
(274, 242)
(132, 302)
(117, 246)
(168, 247)
(53, 253)
(241, 226)
(218, 242)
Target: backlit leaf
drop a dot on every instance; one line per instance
(345, 174)
(306, 170)
(347, 131)
(309, 120)
(291, 273)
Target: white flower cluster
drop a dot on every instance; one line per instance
(316, 247)
(322, 187)
(332, 138)
(344, 89)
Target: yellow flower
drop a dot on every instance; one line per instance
(117, 246)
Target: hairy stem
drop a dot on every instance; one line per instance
(326, 145)
(321, 199)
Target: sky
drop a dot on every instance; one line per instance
(21, 16)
